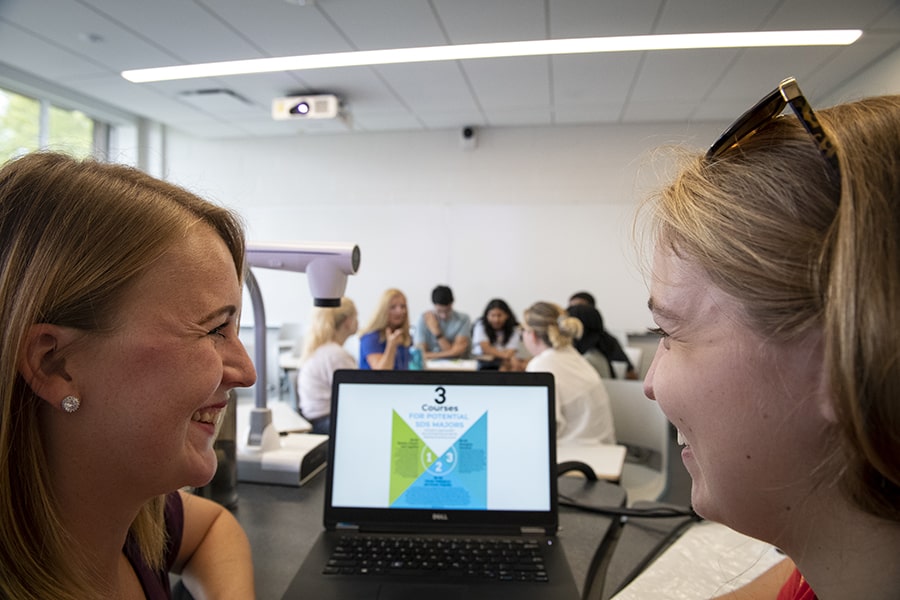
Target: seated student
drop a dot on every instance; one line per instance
(597, 343)
(583, 298)
(443, 332)
(776, 290)
(583, 413)
(324, 354)
(385, 341)
(496, 337)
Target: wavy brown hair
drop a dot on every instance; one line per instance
(74, 236)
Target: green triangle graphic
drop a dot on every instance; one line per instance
(406, 448)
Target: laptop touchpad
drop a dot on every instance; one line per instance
(419, 592)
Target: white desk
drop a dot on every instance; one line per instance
(709, 559)
(607, 460)
(452, 364)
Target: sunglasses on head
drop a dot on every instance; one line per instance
(770, 108)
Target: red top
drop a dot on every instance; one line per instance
(796, 588)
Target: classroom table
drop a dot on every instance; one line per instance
(283, 522)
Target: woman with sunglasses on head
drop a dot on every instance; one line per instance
(119, 304)
(776, 290)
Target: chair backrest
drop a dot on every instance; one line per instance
(635, 355)
(640, 422)
(599, 362)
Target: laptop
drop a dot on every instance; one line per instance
(464, 461)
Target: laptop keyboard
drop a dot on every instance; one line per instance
(493, 559)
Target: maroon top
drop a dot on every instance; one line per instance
(156, 583)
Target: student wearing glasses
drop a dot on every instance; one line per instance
(776, 290)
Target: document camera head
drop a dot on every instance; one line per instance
(326, 265)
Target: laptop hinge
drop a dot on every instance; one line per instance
(533, 531)
(347, 527)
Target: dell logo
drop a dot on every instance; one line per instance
(439, 517)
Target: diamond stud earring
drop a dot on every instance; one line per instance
(70, 404)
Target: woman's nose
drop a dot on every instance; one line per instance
(239, 370)
(648, 380)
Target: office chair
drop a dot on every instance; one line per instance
(644, 429)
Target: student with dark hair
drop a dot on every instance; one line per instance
(443, 332)
(597, 344)
(495, 338)
(583, 298)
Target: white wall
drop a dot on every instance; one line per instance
(530, 214)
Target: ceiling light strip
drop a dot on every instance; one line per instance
(751, 39)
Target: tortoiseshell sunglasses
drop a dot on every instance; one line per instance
(770, 108)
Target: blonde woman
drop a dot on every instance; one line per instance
(385, 342)
(583, 414)
(776, 292)
(322, 355)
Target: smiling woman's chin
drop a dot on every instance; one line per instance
(203, 469)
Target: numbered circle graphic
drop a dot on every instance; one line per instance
(438, 465)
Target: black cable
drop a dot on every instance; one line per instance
(601, 559)
(620, 517)
(658, 512)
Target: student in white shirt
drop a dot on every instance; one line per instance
(583, 414)
(323, 355)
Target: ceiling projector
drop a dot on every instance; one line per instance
(320, 106)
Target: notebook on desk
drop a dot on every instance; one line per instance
(462, 460)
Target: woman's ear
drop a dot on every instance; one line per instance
(42, 362)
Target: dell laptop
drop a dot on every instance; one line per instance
(440, 485)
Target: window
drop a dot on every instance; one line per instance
(19, 125)
(27, 124)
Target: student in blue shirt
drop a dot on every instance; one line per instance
(385, 342)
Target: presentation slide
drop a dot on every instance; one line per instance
(442, 447)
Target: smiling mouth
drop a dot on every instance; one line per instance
(209, 416)
(680, 439)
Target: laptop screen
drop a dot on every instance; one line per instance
(445, 441)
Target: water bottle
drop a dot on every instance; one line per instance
(415, 359)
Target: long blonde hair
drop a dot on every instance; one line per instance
(379, 321)
(74, 235)
(552, 324)
(325, 324)
(769, 227)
